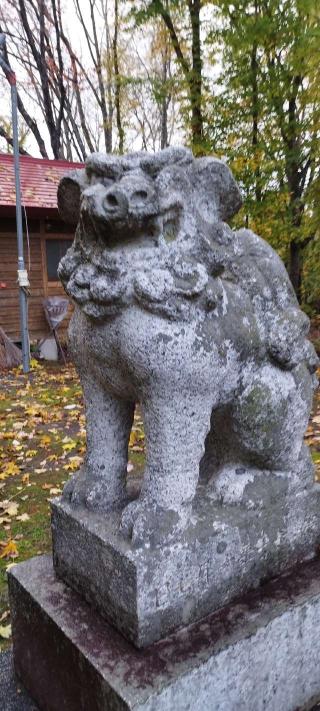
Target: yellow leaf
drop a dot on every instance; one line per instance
(55, 492)
(10, 550)
(31, 453)
(68, 446)
(5, 631)
(45, 440)
(35, 365)
(10, 469)
(23, 517)
(73, 464)
(25, 479)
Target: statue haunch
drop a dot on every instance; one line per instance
(197, 323)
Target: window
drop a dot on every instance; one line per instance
(55, 250)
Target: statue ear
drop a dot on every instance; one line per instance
(219, 195)
(69, 194)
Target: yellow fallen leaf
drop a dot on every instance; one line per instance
(5, 631)
(35, 365)
(73, 464)
(10, 550)
(45, 440)
(23, 517)
(68, 446)
(25, 479)
(31, 453)
(55, 492)
(10, 469)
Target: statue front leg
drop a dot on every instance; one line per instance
(176, 426)
(101, 482)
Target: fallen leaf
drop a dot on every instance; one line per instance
(23, 517)
(10, 508)
(10, 469)
(10, 549)
(5, 631)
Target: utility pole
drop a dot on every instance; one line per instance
(23, 279)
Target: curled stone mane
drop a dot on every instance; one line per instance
(176, 268)
(152, 231)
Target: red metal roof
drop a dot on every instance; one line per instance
(39, 180)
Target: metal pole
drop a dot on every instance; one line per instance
(23, 280)
(22, 273)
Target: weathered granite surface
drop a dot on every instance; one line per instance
(197, 322)
(148, 591)
(260, 654)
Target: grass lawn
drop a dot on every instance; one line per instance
(42, 441)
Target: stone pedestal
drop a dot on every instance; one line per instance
(149, 591)
(256, 654)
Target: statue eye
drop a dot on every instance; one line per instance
(107, 180)
(101, 180)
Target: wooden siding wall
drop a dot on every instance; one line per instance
(39, 285)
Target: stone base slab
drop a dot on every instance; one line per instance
(260, 654)
(150, 591)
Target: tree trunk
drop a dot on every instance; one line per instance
(255, 113)
(195, 81)
(164, 102)
(117, 79)
(295, 267)
(193, 73)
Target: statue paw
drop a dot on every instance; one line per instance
(248, 487)
(146, 523)
(95, 493)
(69, 488)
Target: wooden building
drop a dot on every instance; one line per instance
(46, 239)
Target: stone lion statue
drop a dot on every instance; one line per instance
(196, 322)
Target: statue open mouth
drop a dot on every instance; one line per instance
(116, 223)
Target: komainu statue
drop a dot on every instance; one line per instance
(196, 322)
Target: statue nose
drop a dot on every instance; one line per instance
(115, 202)
(139, 197)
